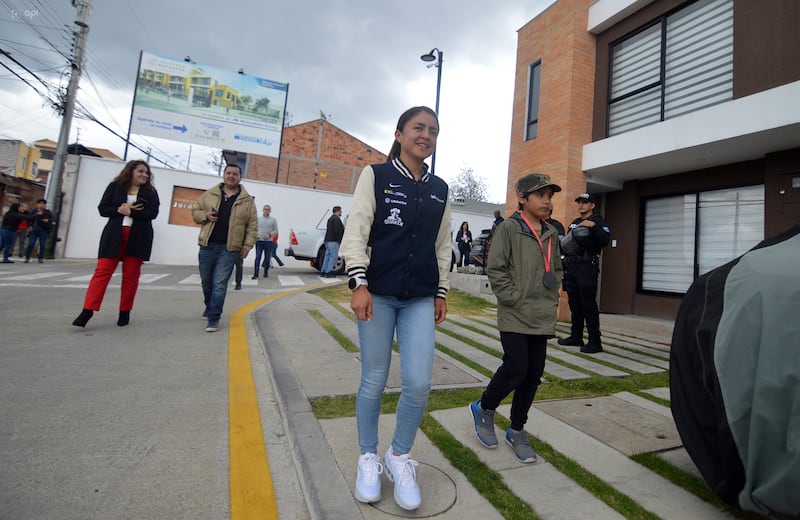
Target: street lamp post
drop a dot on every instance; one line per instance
(434, 59)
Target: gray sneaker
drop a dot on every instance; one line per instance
(521, 445)
(484, 425)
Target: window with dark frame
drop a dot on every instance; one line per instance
(534, 79)
(685, 236)
(679, 63)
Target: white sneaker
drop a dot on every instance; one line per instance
(401, 470)
(368, 478)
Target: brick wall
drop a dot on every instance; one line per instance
(316, 155)
(558, 37)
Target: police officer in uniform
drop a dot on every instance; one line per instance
(589, 234)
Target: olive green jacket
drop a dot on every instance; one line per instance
(515, 269)
(242, 226)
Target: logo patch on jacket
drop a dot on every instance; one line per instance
(437, 199)
(394, 218)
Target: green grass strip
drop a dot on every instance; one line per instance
(474, 329)
(620, 502)
(470, 342)
(465, 360)
(333, 331)
(486, 481)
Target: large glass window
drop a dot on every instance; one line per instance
(688, 235)
(680, 63)
(534, 79)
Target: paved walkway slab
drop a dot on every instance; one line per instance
(629, 428)
(585, 364)
(628, 364)
(551, 494)
(661, 393)
(446, 492)
(624, 352)
(653, 492)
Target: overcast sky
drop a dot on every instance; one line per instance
(356, 60)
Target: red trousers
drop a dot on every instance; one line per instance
(131, 268)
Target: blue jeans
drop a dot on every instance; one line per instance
(331, 255)
(265, 248)
(41, 236)
(7, 239)
(414, 322)
(216, 265)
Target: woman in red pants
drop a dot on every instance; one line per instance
(130, 203)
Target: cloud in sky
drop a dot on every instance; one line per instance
(356, 60)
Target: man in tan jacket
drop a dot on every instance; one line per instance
(227, 214)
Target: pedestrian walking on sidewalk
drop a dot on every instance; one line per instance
(227, 214)
(267, 229)
(130, 203)
(334, 231)
(524, 269)
(12, 218)
(275, 251)
(402, 212)
(39, 230)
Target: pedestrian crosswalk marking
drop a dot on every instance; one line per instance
(150, 278)
(33, 276)
(193, 279)
(289, 280)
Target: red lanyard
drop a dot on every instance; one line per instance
(549, 243)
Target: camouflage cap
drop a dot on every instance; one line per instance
(535, 182)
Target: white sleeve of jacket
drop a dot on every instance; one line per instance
(444, 251)
(359, 224)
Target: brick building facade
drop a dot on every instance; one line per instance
(558, 42)
(316, 155)
(679, 115)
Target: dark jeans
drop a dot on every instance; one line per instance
(7, 239)
(263, 247)
(521, 372)
(216, 265)
(580, 281)
(465, 253)
(37, 235)
(275, 254)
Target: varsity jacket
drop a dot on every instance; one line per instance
(400, 219)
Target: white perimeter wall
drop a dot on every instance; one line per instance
(177, 245)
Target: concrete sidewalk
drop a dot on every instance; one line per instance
(136, 421)
(600, 433)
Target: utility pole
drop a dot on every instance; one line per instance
(84, 8)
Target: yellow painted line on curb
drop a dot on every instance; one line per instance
(252, 491)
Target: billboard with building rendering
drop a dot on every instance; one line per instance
(184, 101)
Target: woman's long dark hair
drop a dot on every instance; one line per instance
(401, 123)
(125, 177)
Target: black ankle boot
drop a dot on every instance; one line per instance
(83, 318)
(124, 318)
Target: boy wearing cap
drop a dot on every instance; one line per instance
(524, 268)
(580, 277)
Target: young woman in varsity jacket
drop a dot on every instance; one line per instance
(402, 213)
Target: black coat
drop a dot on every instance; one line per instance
(140, 243)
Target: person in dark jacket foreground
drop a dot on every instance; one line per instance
(130, 203)
(735, 377)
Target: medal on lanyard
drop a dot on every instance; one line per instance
(549, 280)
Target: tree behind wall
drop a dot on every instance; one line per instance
(468, 186)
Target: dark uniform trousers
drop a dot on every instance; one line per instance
(580, 282)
